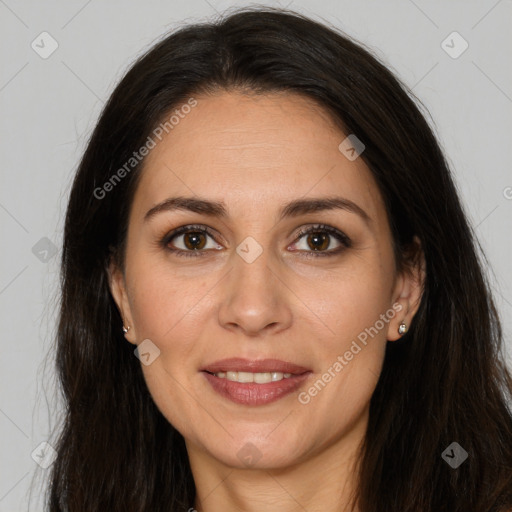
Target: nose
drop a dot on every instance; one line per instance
(254, 299)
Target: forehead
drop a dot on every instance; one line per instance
(251, 151)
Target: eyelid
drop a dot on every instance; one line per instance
(342, 237)
(188, 228)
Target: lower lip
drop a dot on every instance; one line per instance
(255, 394)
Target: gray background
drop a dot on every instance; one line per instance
(49, 106)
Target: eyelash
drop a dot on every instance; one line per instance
(319, 228)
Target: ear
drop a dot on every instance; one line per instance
(117, 286)
(408, 290)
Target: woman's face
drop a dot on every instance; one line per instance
(254, 288)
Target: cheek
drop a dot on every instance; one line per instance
(162, 297)
(354, 350)
(171, 309)
(351, 299)
(356, 312)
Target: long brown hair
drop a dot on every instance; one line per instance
(444, 382)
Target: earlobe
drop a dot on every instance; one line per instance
(118, 291)
(399, 324)
(408, 292)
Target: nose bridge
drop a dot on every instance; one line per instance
(254, 297)
(252, 279)
(251, 264)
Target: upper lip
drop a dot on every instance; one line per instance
(236, 364)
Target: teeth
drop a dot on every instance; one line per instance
(258, 378)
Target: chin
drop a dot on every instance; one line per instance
(255, 452)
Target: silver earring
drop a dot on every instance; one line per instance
(126, 329)
(402, 328)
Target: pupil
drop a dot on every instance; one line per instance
(196, 241)
(318, 238)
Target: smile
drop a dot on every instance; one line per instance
(258, 378)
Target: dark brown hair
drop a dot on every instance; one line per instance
(445, 381)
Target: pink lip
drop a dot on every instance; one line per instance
(238, 364)
(255, 394)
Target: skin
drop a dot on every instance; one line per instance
(256, 153)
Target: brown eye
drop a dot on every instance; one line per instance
(318, 241)
(194, 240)
(190, 241)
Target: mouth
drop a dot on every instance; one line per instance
(257, 377)
(253, 382)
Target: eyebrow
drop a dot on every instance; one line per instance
(292, 209)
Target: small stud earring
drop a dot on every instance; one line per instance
(402, 328)
(126, 329)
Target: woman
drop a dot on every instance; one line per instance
(266, 217)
